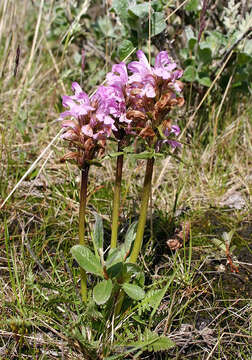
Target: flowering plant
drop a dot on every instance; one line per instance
(134, 104)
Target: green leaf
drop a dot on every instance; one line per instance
(158, 23)
(161, 344)
(112, 155)
(125, 48)
(140, 10)
(148, 341)
(95, 163)
(205, 55)
(189, 33)
(106, 27)
(98, 232)
(102, 291)
(140, 279)
(150, 300)
(190, 73)
(115, 270)
(205, 81)
(192, 5)
(143, 155)
(191, 38)
(184, 53)
(116, 154)
(248, 47)
(133, 291)
(115, 256)
(87, 260)
(132, 268)
(191, 43)
(130, 236)
(121, 8)
(243, 58)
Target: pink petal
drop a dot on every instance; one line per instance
(87, 130)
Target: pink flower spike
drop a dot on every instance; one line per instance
(99, 136)
(176, 87)
(177, 74)
(142, 58)
(70, 124)
(79, 95)
(162, 59)
(75, 109)
(67, 101)
(87, 130)
(142, 66)
(149, 91)
(118, 76)
(123, 118)
(164, 66)
(109, 122)
(70, 136)
(76, 88)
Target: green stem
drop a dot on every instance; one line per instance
(119, 301)
(116, 201)
(143, 211)
(141, 225)
(82, 211)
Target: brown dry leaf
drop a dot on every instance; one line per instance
(181, 235)
(135, 114)
(88, 146)
(233, 268)
(69, 156)
(180, 101)
(147, 132)
(164, 101)
(174, 244)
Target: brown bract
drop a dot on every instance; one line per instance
(147, 132)
(135, 115)
(70, 156)
(165, 101)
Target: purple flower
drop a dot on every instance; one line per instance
(111, 101)
(126, 105)
(173, 143)
(141, 67)
(78, 103)
(75, 108)
(173, 130)
(89, 118)
(117, 81)
(163, 66)
(118, 77)
(148, 78)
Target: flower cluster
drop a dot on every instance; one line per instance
(130, 104)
